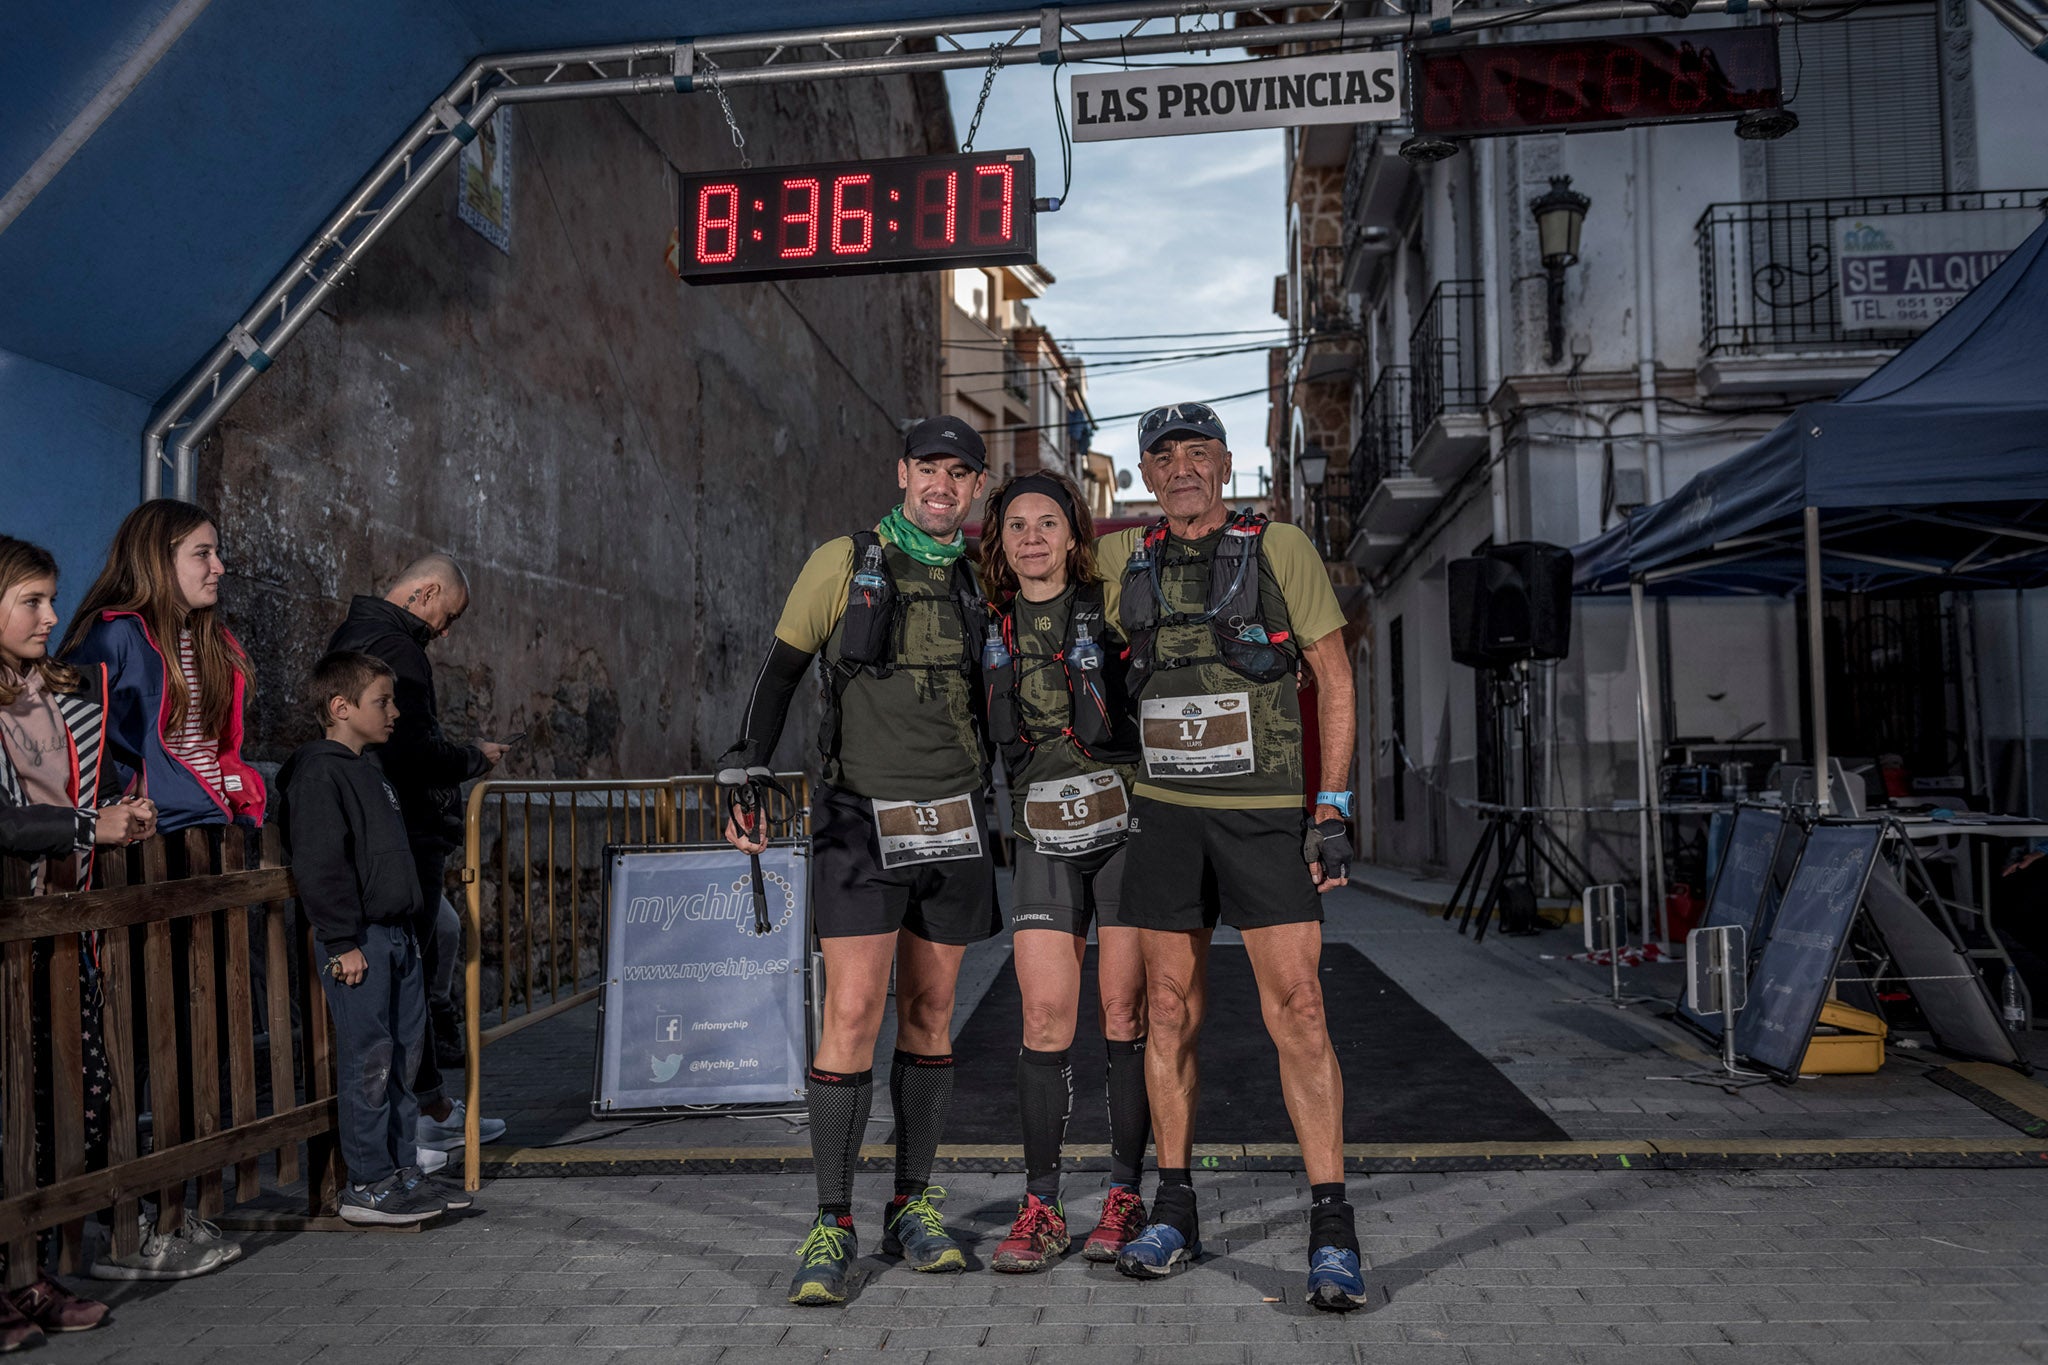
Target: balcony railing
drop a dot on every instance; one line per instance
(1444, 351)
(1333, 512)
(1015, 376)
(1384, 436)
(1767, 270)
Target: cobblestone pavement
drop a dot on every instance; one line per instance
(1853, 1265)
(1631, 1268)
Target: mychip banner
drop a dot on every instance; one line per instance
(698, 1008)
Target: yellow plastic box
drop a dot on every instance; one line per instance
(1846, 1042)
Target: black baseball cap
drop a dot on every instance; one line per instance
(945, 436)
(1178, 419)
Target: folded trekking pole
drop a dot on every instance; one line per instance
(746, 800)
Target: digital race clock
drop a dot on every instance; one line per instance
(859, 217)
(1584, 83)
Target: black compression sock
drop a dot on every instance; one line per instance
(1130, 1116)
(839, 1104)
(1045, 1099)
(921, 1089)
(1174, 1202)
(1330, 1221)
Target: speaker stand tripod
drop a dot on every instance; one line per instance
(1515, 839)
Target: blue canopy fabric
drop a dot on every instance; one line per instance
(1932, 474)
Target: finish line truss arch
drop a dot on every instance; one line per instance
(1045, 37)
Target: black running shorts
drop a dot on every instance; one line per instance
(1188, 867)
(953, 901)
(1066, 893)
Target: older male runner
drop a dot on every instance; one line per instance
(1221, 610)
(900, 867)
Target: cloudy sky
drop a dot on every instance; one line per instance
(1169, 235)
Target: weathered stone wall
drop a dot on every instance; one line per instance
(631, 470)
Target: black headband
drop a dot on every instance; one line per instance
(1039, 483)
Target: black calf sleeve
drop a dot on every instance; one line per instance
(1130, 1114)
(1045, 1100)
(921, 1089)
(839, 1105)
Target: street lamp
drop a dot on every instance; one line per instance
(1560, 214)
(1315, 466)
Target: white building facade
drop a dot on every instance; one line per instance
(1703, 306)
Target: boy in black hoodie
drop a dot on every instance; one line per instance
(346, 839)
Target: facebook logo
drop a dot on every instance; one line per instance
(668, 1027)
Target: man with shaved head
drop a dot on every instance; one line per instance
(427, 771)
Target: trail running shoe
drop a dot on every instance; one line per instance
(1158, 1250)
(824, 1263)
(1038, 1235)
(914, 1231)
(1335, 1282)
(1123, 1217)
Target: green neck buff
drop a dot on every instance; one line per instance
(908, 537)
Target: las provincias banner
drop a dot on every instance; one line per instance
(1161, 101)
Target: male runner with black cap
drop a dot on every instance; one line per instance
(899, 844)
(1221, 611)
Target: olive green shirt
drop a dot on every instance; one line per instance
(912, 735)
(1295, 596)
(1044, 705)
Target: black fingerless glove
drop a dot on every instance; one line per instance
(1329, 842)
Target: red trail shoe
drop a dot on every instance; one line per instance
(1038, 1235)
(1123, 1217)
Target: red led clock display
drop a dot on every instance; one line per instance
(859, 217)
(1584, 83)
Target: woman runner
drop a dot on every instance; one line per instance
(1053, 672)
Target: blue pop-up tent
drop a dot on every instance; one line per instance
(1932, 474)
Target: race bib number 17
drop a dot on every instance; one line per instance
(1197, 737)
(927, 831)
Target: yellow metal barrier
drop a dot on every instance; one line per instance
(504, 855)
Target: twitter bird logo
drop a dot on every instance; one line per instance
(665, 1068)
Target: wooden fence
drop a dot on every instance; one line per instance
(201, 969)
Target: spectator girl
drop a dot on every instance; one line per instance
(59, 796)
(176, 676)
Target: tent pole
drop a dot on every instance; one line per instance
(1649, 821)
(1816, 670)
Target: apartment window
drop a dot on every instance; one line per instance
(1397, 711)
(1869, 106)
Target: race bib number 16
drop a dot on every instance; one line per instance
(1197, 737)
(927, 831)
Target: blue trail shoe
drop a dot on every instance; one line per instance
(1158, 1250)
(1335, 1282)
(915, 1232)
(824, 1263)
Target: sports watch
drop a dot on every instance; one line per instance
(1340, 800)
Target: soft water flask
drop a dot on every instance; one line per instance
(873, 575)
(2014, 1010)
(1086, 656)
(994, 653)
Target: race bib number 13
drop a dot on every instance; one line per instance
(927, 831)
(1197, 737)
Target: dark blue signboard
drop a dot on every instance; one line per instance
(1741, 888)
(699, 1009)
(1791, 979)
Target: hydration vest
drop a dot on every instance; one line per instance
(1233, 609)
(1098, 708)
(871, 631)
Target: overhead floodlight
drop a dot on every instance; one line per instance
(1766, 125)
(1422, 149)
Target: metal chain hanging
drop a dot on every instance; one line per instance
(739, 139)
(988, 83)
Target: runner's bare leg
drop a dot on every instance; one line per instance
(1175, 964)
(1286, 959)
